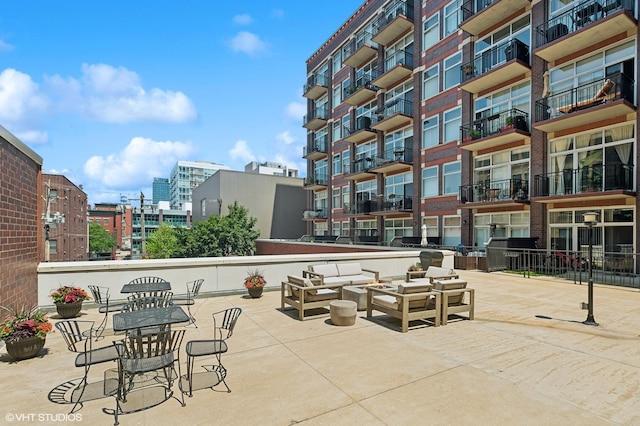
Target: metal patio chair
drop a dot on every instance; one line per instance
(102, 298)
(193, 288)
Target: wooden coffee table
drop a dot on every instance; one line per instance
(358, 293)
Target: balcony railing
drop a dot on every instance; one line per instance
(317, 146)
(318, 213)
(362, 165)
(400, 57)
(578, 17)
(588, 95)
(471, 7)
(392, 203)
(361, 82)
(495, 190)
(316, 117)
(596, 178)
(395, 9)
(489, 59)
(359, 50)
(392, 108)
(494, 124)
(404, 155)
(361, 123)
(317, 179)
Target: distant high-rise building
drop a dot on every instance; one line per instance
(187, 175)
(160, 190)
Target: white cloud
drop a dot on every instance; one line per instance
(242, 151)
(244, 19)
(21, 102)
(5, 47)
(248, 43)
(277, 14)
(296, 110)
(116, 95)
(139, 162)
(285, 137)
(32, 136)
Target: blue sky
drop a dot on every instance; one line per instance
(112, 94)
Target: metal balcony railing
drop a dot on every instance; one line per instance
(497, 55)
(578, 17)
(395, 9)
(321, 113)
(361, 82)
(317, 179)
(362, 39)
(394, 155)
(399, 57)
(471, 7)
(316, 80)
(362, 165)
(495, 190)
(361, 123)
(596, 178)
(494, 124)
(598, 92)
(392, 108)
(318, 145)
(317, 213)
(391, 203)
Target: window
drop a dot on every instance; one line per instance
(337, 61)
(203, 207)
(337, 130)
(517, 96)
(451, 178)
(452, 123)
(337, 165)
(336, 198)
(401, 186)
(335, 229)
(430, 134)
(431, 31)
(53, 246)
(344, 87)
(345, 198)
(430, 82)
(452, 17)
(346, 159)
(320, 169)
(452, 70)
(345, 229)
(53, 196)
(320, 203)
(397, 228)
(432, 226)
(398, 145)
(507, 171)
(336, 98)
(430, 181)
(451, 230)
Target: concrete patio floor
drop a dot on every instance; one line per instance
(507, 367)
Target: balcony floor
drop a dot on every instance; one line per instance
(505, 367)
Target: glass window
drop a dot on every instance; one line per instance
(337, 61)
(336, 99)
(336, 198)
(452, 17)
(430, 133)
(430, 82)
(432, 226)
(452, 70)
(337, 165)
(451, 178)
(452, 123)
(337, 130)
(345, 197)
(451, 235)
(430, 181)
(431, 31)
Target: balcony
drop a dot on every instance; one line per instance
(397, 67)
(317, 119)
(394, 160)
(316, 150)
(396, 20)
(499, 129)
(478, 16)
(316, 181)
(359, 51)
(583, 26)
(361, 168)
(391, 205)
(493, 67)
(361, 91)
(395, 114)
(316, 86)
(498, 192)
(589, 103)
(591, 182)
(317, 214)
(360, 131)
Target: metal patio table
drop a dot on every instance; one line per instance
(146, 287)
(149, 318)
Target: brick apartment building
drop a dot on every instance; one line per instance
(64, 219)
(477, 118)
(20, 224)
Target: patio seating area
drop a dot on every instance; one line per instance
(526, 358)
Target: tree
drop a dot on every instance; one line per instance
(100, 240)
(163, 243)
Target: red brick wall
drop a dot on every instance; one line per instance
(264, 247)
(19, 227)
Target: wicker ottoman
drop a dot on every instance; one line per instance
(343, 312)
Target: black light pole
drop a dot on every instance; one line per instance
(590, 219)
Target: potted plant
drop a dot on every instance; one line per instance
(508, 123)
(472, 134)
(24, 331)
(469, 69)
(68, 300)
(416, 270)
(255, 282)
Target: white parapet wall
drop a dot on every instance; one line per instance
(221, 274)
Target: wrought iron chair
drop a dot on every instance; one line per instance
(223, 324)
(137, 302)
(78, 335)
(147, 280)
(102, 298)
(139, 354)
(193, 288)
